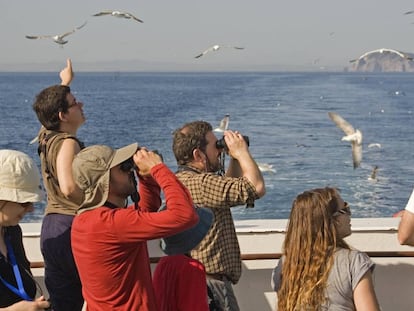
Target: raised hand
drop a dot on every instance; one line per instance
(145, 160)
(66, 74)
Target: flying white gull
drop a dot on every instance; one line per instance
(217, 47)
(381, 51)
(352, 135)
(374, 145)
(224, 124)
(59, 39)
(265, 167)
(119, 14)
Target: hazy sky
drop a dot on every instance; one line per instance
(277, 35)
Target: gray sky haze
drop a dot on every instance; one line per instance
(276, 35)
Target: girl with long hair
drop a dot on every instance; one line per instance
(318, 269)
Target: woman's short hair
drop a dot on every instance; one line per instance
(48, 103)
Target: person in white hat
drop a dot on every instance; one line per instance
(19, 189)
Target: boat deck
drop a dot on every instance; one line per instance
(261, 245)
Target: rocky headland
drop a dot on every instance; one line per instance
(383, 60)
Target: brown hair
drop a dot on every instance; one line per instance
(48, 103)
(189, 137)
(309, 246)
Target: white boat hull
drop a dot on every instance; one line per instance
(261, 243)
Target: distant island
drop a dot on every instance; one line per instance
(383, 60)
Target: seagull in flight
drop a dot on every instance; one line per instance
(119, 14)
(59, 39)
(374, 145)
(216, 48)
(224, 124)
(409, 12)
(352, 135)
(266, 167)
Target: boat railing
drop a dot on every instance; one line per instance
(261, 246)
(269, 256)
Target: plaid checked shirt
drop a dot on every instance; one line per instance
(219, 250)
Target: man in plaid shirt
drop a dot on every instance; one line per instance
(198, 158)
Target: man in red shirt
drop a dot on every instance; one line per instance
(109, 237)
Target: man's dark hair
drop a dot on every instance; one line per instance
(189, 137)
(49, 102)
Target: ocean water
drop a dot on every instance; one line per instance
(284, 115)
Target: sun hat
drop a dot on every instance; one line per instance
(19, 178)
(90, 169)
(185, 241)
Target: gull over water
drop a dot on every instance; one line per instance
(352, 135)
(266, 167)
(59, 39)
(216, 47)
(224, 124)
(119, 14)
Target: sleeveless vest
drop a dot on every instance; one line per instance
(50, 143)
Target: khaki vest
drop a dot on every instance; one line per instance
(50, 143)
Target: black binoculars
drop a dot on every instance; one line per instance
(221, 143)
(129, 164)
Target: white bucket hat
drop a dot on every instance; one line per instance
(19, 178)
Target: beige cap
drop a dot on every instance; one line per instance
(19, 178)
(91, 168)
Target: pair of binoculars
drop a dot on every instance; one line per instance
(221, 143)
(129, 165)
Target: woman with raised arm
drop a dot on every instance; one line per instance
(61, 115)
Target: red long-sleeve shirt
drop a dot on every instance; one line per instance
(110, 249)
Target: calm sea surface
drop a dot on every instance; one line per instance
(284, 114)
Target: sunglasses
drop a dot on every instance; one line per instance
(75, 103)
(346, 210)
(128, 165)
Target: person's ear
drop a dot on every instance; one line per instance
(62, 116)
(198, 155)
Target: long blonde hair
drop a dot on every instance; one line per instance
(309, 245)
